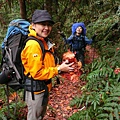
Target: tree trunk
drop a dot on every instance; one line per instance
(23, 9)
(48, 6)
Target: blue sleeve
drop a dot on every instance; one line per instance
(2, 45)
(88, 41)
(69, 40)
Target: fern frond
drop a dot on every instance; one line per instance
(115, 94)
(105, 115)
(116, 113)
(110, 99)
(113, 104)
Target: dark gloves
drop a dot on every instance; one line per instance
(94, 36)
(62, 34)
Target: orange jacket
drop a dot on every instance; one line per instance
(31, 57)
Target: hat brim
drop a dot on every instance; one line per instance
(45, 20)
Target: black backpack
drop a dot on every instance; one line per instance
(12, 73)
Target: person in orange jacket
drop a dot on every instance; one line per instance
(39, 71)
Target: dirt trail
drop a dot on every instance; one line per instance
(61, 95)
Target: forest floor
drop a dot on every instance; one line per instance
(60, 97)
(59, 101)
(61, 94)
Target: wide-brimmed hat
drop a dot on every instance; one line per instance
(41, 16)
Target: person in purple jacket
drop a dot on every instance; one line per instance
(78, 41)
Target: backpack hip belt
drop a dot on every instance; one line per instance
(32, 86)
(35, 85)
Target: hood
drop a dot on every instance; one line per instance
(76, 25)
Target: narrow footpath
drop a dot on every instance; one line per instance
(61, 94)
(60, 97)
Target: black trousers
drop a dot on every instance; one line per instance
(80, 57)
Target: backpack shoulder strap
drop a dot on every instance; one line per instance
(40, 43)
(43, 51)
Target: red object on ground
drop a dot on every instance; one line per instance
(73, 76)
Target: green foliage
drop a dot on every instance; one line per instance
(100, 99)
(98, 104)
(11, 110)
(102, 91)
(10, 113)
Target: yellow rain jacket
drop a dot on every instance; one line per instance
(33, 62)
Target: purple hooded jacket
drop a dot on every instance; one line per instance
(77, 42)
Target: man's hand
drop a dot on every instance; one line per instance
(66, 66)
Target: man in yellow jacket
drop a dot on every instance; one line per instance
(39, 71)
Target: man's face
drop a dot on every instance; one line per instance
(79, 30)
(42, 29)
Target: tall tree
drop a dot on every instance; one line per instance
(23, 9)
